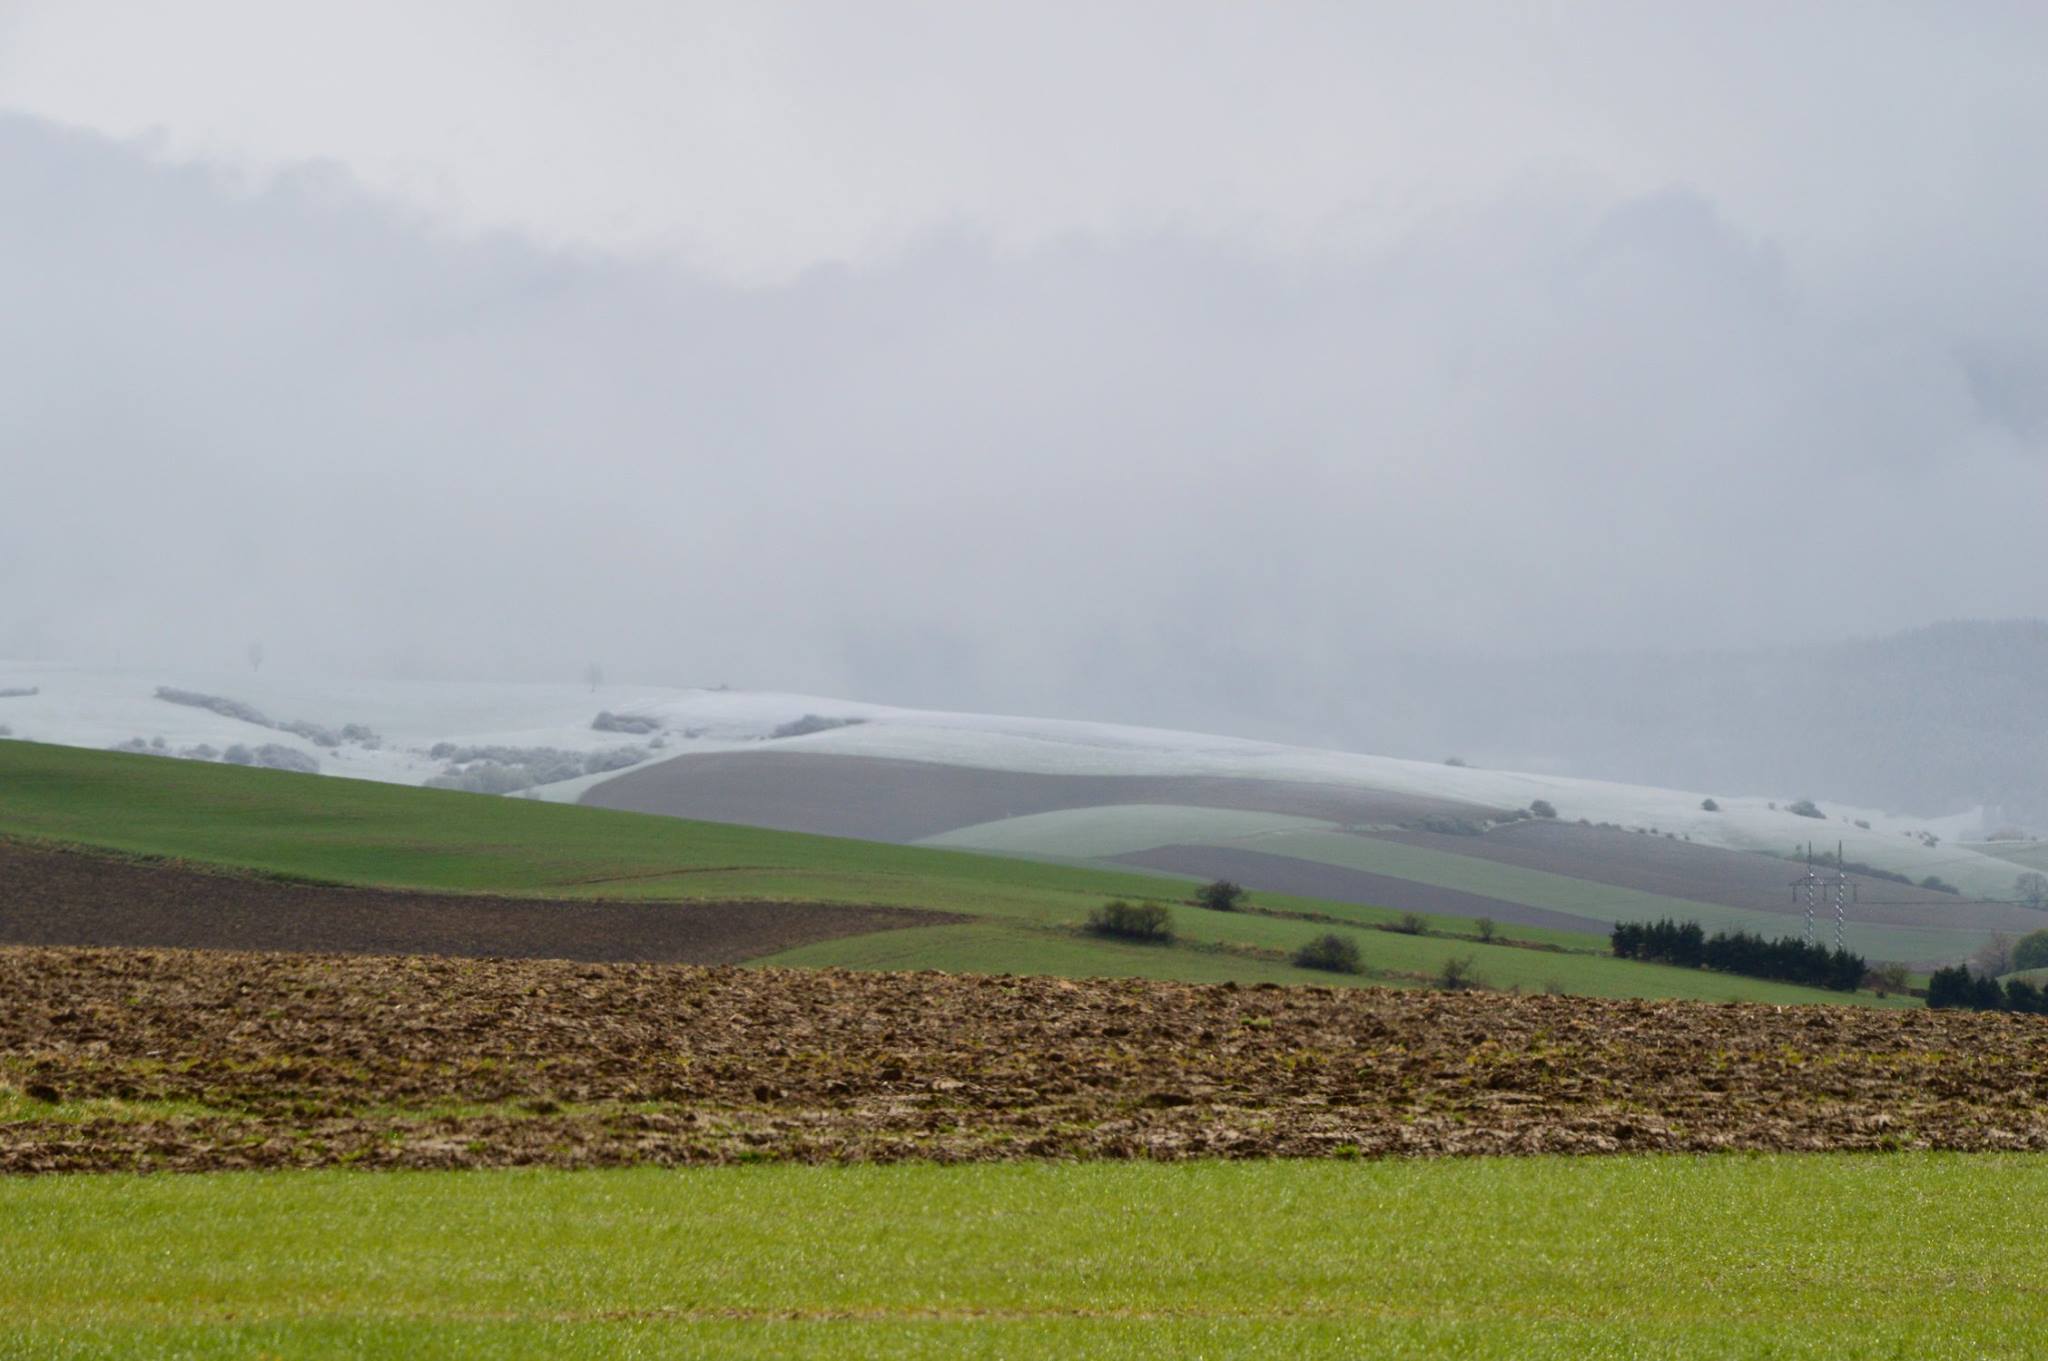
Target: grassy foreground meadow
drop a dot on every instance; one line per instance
(1837, 1256)
(1027, 913)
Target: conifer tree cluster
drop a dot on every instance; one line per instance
(1787, 959)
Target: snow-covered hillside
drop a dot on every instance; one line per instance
(546, 741)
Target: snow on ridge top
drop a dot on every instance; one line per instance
(101, 708)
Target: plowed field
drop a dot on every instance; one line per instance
(169, 1059)
(50, 896)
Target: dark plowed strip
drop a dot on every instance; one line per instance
(1338, 883)
(174, 1059)
(877, 799)
(58, 897)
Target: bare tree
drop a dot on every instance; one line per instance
(256, 656)
(593, 675)
(1993, 957)
(2031, 888)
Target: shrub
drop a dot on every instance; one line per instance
(1937, 884)
(1220, 896)
(636, 724)
(1485, 927)
(226, 708)
(1132, 921)
(1709, 806)
(2031, 888)
(1887, 978)
(1407, 924)
(1448, 826)
(272, 755)
(1543, 808)
(19, 691)
(1458, 761)
(1805, 808)
(1456, 974)
(1330, 952)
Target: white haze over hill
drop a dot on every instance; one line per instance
(1170, 364)
(421, 731)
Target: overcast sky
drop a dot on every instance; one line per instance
(1063, 358)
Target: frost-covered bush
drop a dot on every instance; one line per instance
(505, 770)
(271, 756)
(637, 724)
(6, 731)
(618, 758)
(361, 733)
(312, 732)
(486, 777)
(810, 723)
(205, 751)
(219, 704)
(20, 692)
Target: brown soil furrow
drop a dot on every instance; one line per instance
(186, 1060)
(66, 897)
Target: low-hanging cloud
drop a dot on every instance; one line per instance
(1152, 477)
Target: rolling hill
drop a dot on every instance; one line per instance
(991, 914)
(1336, 826)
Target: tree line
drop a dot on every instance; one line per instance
(1956, 987)
(1786, 959)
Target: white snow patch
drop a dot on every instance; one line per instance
(103, 708)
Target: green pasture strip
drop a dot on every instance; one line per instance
(1204, 951)
(1118, 829)
(1586, 898)
(2028, 855)
(360, 832)
(1789, 1256)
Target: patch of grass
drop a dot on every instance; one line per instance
(1539, 1258)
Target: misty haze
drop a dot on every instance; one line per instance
(1496, 534)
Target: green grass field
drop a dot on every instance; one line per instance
(1850, 1256)
(359, 832)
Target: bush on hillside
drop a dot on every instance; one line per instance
(1543, 808)
(637, 724)
(1709, 806)
(1407, 924)
(2031, 888)
(1457, 973)
(1131, 921)
(1331, 953)
(1220, 896)
(1805, 808)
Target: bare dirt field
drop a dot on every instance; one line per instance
(61, 897)
(878, 799)
(187, 1060)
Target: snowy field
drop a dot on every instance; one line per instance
(543, 741)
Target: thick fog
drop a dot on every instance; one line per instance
(1175, 366)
